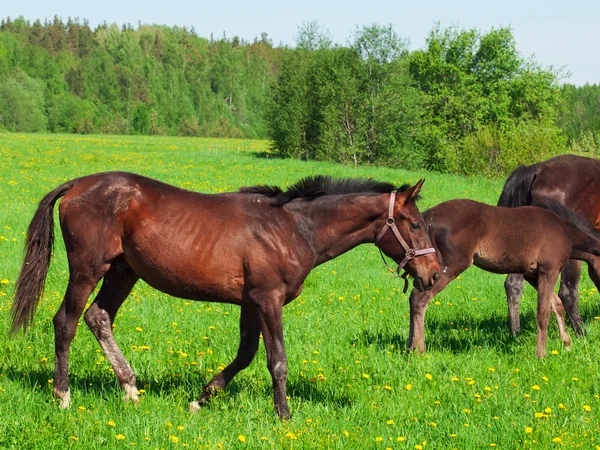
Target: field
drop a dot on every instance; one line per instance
(351, 382)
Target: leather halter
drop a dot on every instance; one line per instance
(390, 224)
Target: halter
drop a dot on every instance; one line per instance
(390, 224)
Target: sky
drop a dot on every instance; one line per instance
(563, 34)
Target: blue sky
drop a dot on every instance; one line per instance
(562, 34)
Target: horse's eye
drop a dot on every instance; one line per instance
(415, 226)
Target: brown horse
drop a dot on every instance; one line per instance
(528, 240)
(573, 181)
(252, 248)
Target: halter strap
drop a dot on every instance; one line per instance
(390, 224)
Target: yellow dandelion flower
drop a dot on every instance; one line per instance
(81, 408)
(400, 438)
(408, 387)
(535, 387)
(4, 281)
(73, 438)
(390, 422)
(120, 437)
(139, 329)
(561, 406)
(290, 435)
(587, 408)
(264, 438)
(548, 410)
(174, 439)
(556, 440)
(366, 375)
(528, 430)
(387, 388)
(111, 423)
(379, 439)
(454, 379)
(242, 438)
(429, 376)
(554, 352)
(346, 433)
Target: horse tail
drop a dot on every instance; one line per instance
(38, 251)
(517, 189)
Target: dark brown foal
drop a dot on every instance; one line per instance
(530, 241)
(252, 248)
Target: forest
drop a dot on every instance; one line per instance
(468, 102)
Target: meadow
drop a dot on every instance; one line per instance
(351, 382)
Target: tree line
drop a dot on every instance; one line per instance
(467, 102)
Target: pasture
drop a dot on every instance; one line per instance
(351, 382)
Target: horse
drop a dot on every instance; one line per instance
(535, 242)
(573, 181)
(253, 248)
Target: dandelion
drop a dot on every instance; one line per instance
(548, 410)
(180, 427)
(454, 379)
(346, 433)
(242, 438)
(390, 422)
(4, 281)
(264, 438)
(290, 436)
(120, 437)
(139, 329)
(491, 369)
(556, 440)
(561, 406)
(366, 376)
(429, 376)
(387, 388)
(73, 438)
(111, 423)
(535, 387)
(81, 408)
(528, 430)
(378, 439)
(400, 438)
(587, 408)
(408, 387)
(174, 439)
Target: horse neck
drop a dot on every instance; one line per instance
(341, 222)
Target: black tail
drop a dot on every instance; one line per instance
(517, 189)
(40, 239)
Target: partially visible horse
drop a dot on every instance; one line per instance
(252, 248)
(573, 181)
(531, 241)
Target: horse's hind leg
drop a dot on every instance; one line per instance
(545, 287)
(569, 293)
(249, 338)
(118, 283)
(514, 289)
(557, 308)
(81, 285)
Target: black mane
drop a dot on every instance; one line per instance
(310, 188)
(568, 214)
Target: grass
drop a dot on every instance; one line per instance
(351, 383)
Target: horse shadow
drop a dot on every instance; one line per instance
(457, 335)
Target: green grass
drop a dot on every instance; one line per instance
(351, 383)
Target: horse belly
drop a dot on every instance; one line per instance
(187, 275)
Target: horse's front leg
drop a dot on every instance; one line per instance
(249, 337)
(270, 305)
(418, 305)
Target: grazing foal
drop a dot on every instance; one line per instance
(529, 240)
(252, 248)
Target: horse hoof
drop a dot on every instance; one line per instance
(65, 400)
(194, 407)
(130, 393)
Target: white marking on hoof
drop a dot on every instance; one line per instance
(131, 393)
(194, 407)
(65, 400)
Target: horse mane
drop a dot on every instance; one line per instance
(567, 214)
(313, 187)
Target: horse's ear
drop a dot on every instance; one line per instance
(412, 193)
